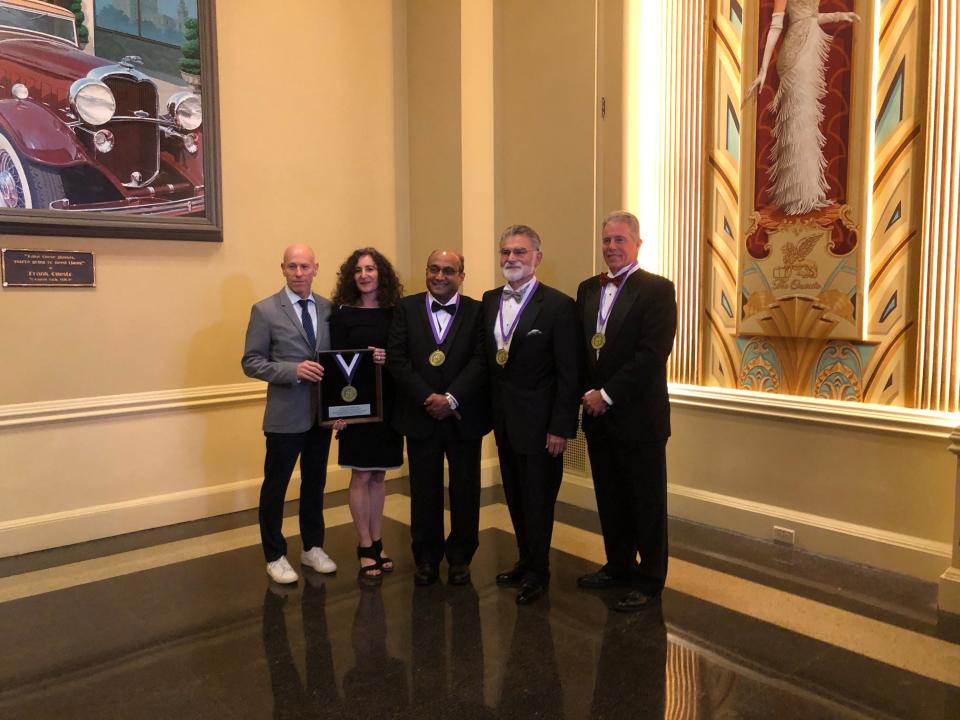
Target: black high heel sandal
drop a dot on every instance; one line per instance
(369, 572)
(385, 563)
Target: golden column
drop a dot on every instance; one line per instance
(938, 374)
(682, 152)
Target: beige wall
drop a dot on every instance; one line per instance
(433, 77)
(883, 498)
(308, 154)
(544, 106)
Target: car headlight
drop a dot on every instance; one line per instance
(92, 101)
(185, 109)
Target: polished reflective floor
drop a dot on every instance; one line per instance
(183, 623)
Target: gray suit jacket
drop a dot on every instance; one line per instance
(276, 343)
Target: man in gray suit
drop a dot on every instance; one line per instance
(285, 332)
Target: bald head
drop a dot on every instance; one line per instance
(447, 255)
(299, 249)
(444, 274)
(299, 268)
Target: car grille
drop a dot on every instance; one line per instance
(136, 147)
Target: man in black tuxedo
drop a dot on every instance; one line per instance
(532, 354)
(628, 319)
(435, 353)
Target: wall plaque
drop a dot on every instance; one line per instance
(47, 268)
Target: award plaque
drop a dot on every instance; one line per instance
(351, 387)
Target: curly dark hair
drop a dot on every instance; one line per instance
(389, 289)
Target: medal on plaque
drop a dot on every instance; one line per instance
(506, 337)
(349, 392)
(438, 357)
(599, 338)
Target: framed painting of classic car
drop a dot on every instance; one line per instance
(108, 124)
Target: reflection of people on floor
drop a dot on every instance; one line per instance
(317, 697)
(531, 680)
(447, 674)
(631, 672)
(376, 686)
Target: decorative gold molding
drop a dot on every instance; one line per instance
(857, 416)
(682, 156)
(938, 366)
(107, 406)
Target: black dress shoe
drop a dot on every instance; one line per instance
(529, 593)
(601, 579)
(458, 574)
(634, 601)
(510, 577)
(426, 574)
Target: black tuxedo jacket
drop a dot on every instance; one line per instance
(538, 390)
(632, 365)
(462, 373)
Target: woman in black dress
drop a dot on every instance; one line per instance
(367, 292)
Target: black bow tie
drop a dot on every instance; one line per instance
(437, 307)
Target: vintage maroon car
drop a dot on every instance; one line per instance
(79, 133)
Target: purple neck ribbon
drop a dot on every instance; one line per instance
(531, 289)
(601, 318)
(437, 334)
(348, 370)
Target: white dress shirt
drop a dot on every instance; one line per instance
(606, 298)
(311, 307)
(510, 308)
(440, 320)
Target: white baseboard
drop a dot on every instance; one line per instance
(489, 472)
(578, 490)
(41, 532)
(905, 554)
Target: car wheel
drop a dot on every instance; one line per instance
(24, 184)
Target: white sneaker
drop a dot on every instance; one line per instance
(317, 559)
(281, 572)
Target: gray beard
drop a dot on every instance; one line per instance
(512, 274)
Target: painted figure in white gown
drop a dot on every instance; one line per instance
(797, 182)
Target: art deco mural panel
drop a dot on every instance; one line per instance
(897, 181)
(804, 196)
(811, 192)
(721, 192)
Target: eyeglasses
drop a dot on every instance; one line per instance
(445, 270)
(518, 252)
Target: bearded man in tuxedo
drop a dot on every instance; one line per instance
(530, 334)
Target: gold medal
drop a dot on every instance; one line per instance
(502, 355)
(349, 393)
(437, 358)
(598, 341)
